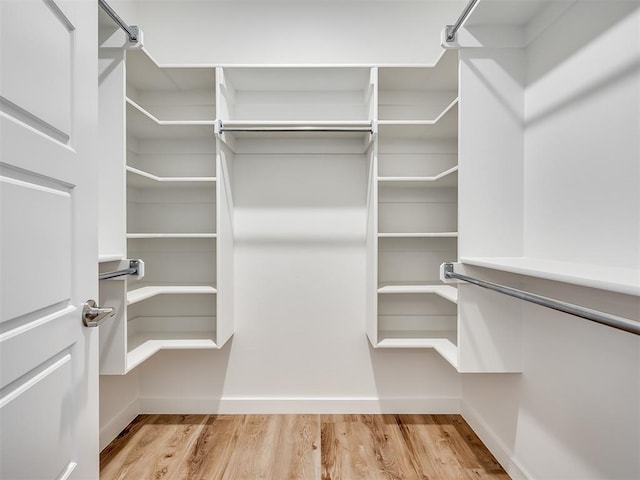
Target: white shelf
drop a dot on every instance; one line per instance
(447, 292)
(142, 179)
(419, 235)
(422, 122)
(442, 342)
(297, 79)
(110, 257)
(448, 178)
(439, 77)
(144, 73)
(613, 279)
(149, 291)
(144, 345)
(172, 235)
(443, 127)
(142, 124)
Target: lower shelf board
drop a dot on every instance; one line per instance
(144, 292)
(445, 291)
(442, 341)
(143, 345)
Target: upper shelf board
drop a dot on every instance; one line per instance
(445, 126)
(143, 73)
(143, 125)
(444, 76)
(505, 12)
(298, 79)
(448, 178)
(142, 179)
(620, 280)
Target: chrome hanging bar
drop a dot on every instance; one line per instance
(366, 127)
(451, 30)
(134, 269)
(133, 32)
(602, 318)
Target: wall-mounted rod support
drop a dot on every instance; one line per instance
(133, 32)
(451, 30)
(603, 318)
(134, 269)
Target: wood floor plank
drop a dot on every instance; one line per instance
(298, 447)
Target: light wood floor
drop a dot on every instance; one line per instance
(283, 447)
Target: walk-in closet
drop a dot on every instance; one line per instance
(346, 240)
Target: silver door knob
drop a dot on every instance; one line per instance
(92, 315)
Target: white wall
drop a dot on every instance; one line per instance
(574, 412)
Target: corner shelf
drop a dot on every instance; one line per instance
(141, 179)
(444, 291)
(422, 122)
(448, 178)
(418, 235)
(172, 235)
(144, 345)
(143, 125)
(145, 292)
(443, 342)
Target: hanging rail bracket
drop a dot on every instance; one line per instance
(133, 32)
(136, 269)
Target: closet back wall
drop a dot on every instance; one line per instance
(292, 32)
(299, 343)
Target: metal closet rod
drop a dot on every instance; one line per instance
(451, 30)
(602, 318)
(301, 128)
(134, 269)
(132, 30)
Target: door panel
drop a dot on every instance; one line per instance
(46, 213)
(24, 411)
(48, 239)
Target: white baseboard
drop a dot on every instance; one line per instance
(273, 405)
(112, 429)
(496, 446)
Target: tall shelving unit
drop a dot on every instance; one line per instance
(401, 124)
(414, 208)
(174, 207)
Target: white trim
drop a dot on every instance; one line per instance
(297, 405)
(117, 424)
(496, 446)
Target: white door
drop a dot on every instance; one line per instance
(48, 239)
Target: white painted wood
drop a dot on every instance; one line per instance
(417, 149)
(49, 239)
(439, 105)
(448, 178)
(372, 250)
(111, 150)
(225, 271)
(419, 235)
(444, 291)
(170, 93)
(337, 404)
(140, 178)
(613, 279)
(445, 347)
(171, 235)
(143, 293)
